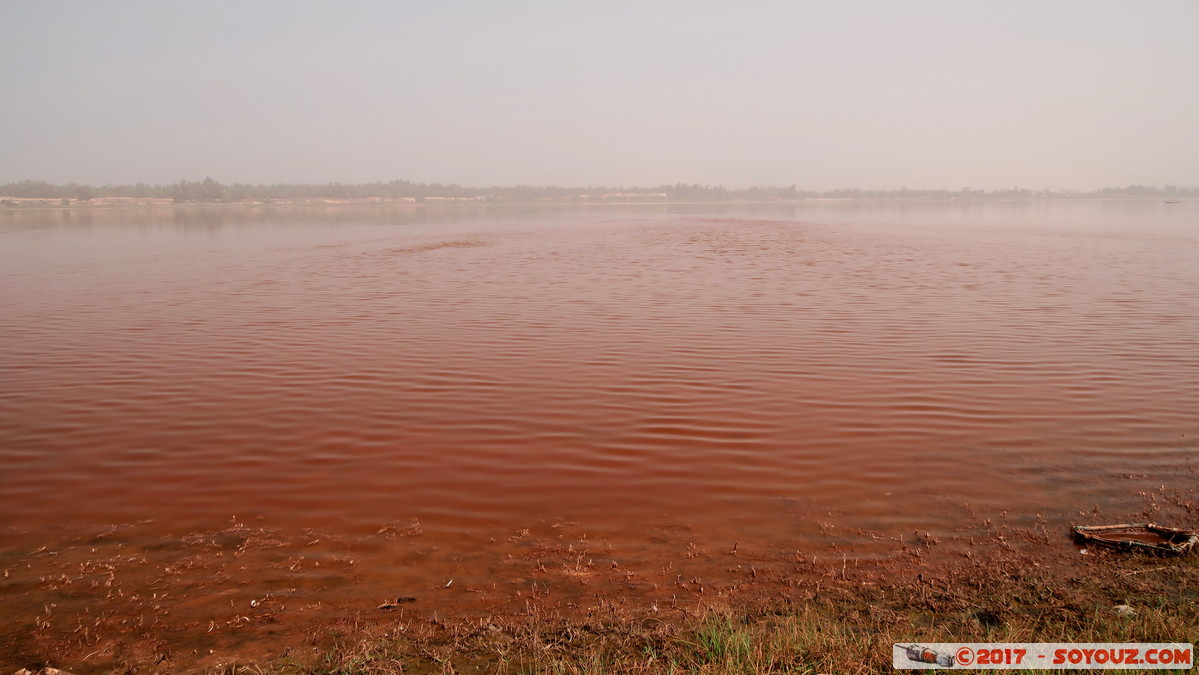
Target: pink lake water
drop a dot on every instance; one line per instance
(752, 373)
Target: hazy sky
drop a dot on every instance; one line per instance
(886, 94)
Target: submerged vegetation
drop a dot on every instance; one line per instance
(209, 190)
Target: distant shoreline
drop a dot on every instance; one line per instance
(107, 203)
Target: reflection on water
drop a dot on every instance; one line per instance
(747, 371)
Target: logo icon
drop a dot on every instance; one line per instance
(921, 654)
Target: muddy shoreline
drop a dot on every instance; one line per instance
(124, 598)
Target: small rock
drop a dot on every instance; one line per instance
(397, 603)
(1124, 610)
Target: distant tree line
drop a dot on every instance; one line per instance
(209, 191)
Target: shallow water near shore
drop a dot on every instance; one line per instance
(777, 377)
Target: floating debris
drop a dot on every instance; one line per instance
(1141, 537)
